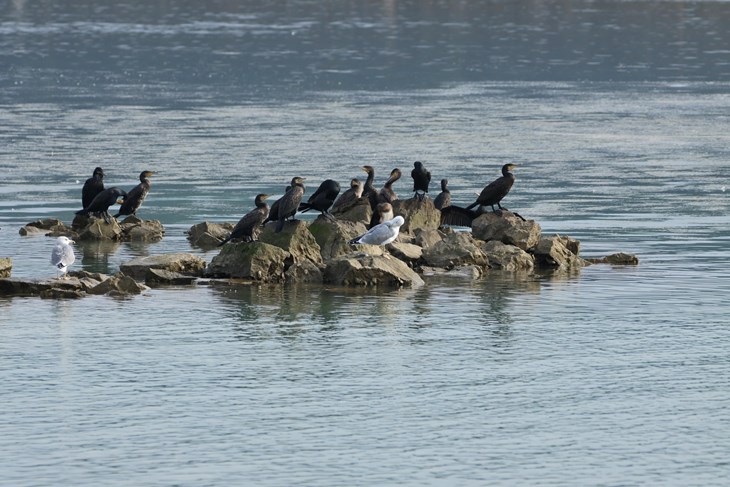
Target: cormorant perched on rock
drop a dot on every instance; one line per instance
(289, 203)
(444, 197)
(421, 179)
(102, 202)
(136, 196)
(493, 193)
(381, 234)
(62, 255)
(383, 213)
(247, 225)
(274, 210)
(322, 199)
(93, 186)
(369, 190)
(351, 194)
(387, 195)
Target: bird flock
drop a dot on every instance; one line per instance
(383, 227)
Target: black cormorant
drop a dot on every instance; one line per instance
(369, 190)
(457, 216)
(444, 197)
(289, 203)
(322, 199)
(351, 194)
(421, 179)
(136, 196)
(93, 186)
(102, 202)
(387, 195)
(248, 224)
(493, 193)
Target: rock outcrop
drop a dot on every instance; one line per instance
(181, 263)
(333, 236)
(417, 214)
(361, 269)
(78, 284)
(507, 257)
(409, 253)
(209, 235)
(134, 229)
(507, 228)
(119, 285)
(47, 226)
(295, 238)
(356, 211)
(6, 267)
(456, 250)
(161, 277)
(551, 252)
(250, 260)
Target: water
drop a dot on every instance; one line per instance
(617, 113)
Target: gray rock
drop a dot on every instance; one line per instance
(507, 257)
(417, 213)
(551, 252)
(333, 236)
(161, 277)
(250, 260)
(408, 253)
(507, 228)
(209, 235)
(182, 263)
(361, 269)
(55, 293)
(457, 249)
(46, 227)
(137, 230)
(619, 258)
(304, 271)
(295, 238)
(74, 285)
(357, 211)
(98, 229)
(6, 267)
(427, 237)
(464, 272)
(119, 285)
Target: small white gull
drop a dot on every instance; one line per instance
(381, 234)
(62, 255)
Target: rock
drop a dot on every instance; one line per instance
(619, 258)
(137, 230)
(161, 277)
(361, 269)
(98, 229)
(570, 243)
(45, 227)
(250, 260)
(551, 252)
(357, 211)
(507, 228)
(209, 235)
(55, 293)
(333, 236)
(464, 272)
(304, 271)
(427, 237)
(507, 257)
(417, 213)
(6, 266)
(88, 280)
(119, 285)
(182, 263)
(408, 253)
(295, 238)
(75, 285)
(23, 287)
(457, 249)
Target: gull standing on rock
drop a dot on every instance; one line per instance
(381, 234)
(62, 255)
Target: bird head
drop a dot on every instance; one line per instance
(146, 174)
(99, 172)
(297, 181)
(395, 222)
(418, 164)
(354, 183)
(368, 169)
(395, 173)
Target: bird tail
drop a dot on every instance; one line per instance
(355, 240)
(279, 225)
(224, 241)
(83, 211)
(303, 207)
(472, 205)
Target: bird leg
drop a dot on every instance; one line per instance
(107, 217)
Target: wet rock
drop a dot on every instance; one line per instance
(55, 293)
(570, 243)
(6, 267)
(417, 213)
(137, 230)
(427, 237)
(551, 252)
(23, 287)
(182, 263)
(333, 236)
(46, 226)
(161, 277)
(507, 228)
(358, 210)
(209, 235)
(98, 229)
(361, 269)
(305, 271)
(250, 260)
(295, 238)
(619, 258)
(507, 257)
(119, 285)
(408, 253)
(74, 284)
(86, 280)
(457, 249)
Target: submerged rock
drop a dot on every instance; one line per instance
(161, 277)
(333, 236)
(417, 213)
(6, 266)
(209, 235)
(551, 252)
(250, 260)
(361, 269)
(507, 257)
(619, 258)
(507, 228)
(76, 284)
(46, 226)
(295, 238)
(119, 285)
(182, 263)
(457, 249)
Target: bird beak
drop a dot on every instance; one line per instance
(120, 202)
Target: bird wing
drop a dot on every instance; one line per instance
(457, 216)
(62, 255)
(377, 235)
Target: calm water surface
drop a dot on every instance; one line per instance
(618, 115)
